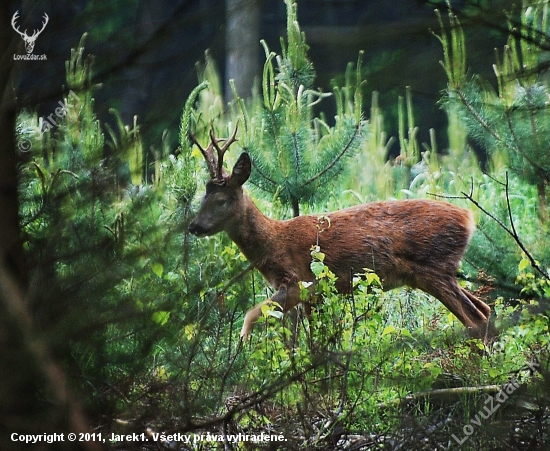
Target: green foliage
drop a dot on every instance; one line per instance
(454, 50)
(119, 288)
(145, 317)
(529, 331)
(512, 125)
(514, 121)
(295, 153)
(360, 356)
(295, 67)
(128, 147)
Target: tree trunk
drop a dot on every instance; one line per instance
(242, 42)
(11, 252)
(543, 202)
(295, 206)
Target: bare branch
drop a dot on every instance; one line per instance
(510, 230)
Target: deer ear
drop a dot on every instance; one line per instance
(241, 170)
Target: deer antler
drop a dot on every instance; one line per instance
(215, 162)
(16, 28)
(209, 157)
(221, 151)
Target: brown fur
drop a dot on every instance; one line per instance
(418, 243)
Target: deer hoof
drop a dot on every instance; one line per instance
(245, 334)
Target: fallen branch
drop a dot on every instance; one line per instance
(441, 393)
(532, 366)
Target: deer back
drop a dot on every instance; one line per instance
(396, 239)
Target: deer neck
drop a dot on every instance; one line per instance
(254, 233)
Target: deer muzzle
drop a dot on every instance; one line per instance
(197, 229)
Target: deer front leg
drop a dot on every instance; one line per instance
(286, 296)
(250, 319)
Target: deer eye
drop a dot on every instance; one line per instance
(221, 202)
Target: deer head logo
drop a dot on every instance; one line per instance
(29, 40)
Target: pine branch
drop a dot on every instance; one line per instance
(337, 159)
(263, 174)
(480, 120)
(540, 170)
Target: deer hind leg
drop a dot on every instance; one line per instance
(471, 311)
(488, 330)
(477, 302)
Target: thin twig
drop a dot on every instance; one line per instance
(236, 278)
(510, 230)
(256, 397)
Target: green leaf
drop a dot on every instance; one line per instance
(275, 313)
(267, 309)
(317, 255)
(524, 263)
(190, 330)
(388, 330)
(317, 268)
(372, 278)
(406, 333)
(161, 317)
(158, 269)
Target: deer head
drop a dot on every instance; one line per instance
(29, 40)
(224, 193)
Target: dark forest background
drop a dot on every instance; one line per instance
(107, 319)
(145, 53)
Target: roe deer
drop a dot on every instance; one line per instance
(418, 243)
